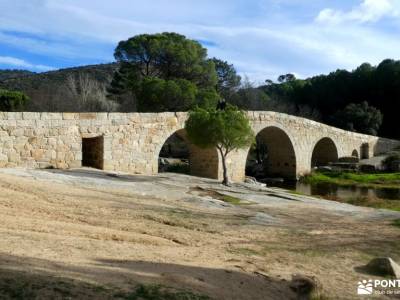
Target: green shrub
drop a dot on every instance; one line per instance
(178, 168)
(387, 163)
(396, 223)
(12, 101)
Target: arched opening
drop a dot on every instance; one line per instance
(272, 156)
(178, 155)
(365, 151)
(324, 152)
(355, 153)
(174, 154)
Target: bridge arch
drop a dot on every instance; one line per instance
(324, 152)
(274, 154)
(355, 153)
(200, 162)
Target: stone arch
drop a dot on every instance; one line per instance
(355, 153)
(280, 156)
(324, 152)
(202, 162)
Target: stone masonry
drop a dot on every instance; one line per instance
(131, 142)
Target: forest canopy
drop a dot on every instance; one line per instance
(375, 89)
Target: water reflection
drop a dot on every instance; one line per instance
(340, 192)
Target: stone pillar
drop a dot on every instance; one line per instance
(203, 162)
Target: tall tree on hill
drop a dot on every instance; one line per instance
(88, 94)
(248, 97)
(163, 72)
(286, 78)
(228, 79)
(360, 117)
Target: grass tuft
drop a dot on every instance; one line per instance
(158, 292)
(230, 199)
(375, 203)
(245, 251)
(396, 223)
(354, 179)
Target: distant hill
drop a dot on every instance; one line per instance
(22, 79)
(12, 74)
(58, 90)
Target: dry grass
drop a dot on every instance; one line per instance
(64, 240)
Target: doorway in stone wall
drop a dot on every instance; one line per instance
(365, 151)
(93, 152)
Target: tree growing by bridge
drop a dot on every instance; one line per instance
(228, 81)
(227, 130)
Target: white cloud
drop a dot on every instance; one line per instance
(367, 11)
(20, 63)
(259, 42)
(52, 45)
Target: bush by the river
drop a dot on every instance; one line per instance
(354, 179)
(392, 162)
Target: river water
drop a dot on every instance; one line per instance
(333, 191)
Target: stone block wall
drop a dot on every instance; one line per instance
(132, 141)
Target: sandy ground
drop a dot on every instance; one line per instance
(86, 234)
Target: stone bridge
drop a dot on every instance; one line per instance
(131, 142)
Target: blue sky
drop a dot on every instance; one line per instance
(263, 39)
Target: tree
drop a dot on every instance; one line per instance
(87, 93)
(226, 130)
(168, 62)
(378, 85)
(12, 101)
(390, 161)
(286, 78)
(123, 85)
(155, 94)
(269, 82)
(249, 97)
(360, 118)
(228, 80)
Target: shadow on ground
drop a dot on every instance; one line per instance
(28, 278)
(91, 173)
(99, 174)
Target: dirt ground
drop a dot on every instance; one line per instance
(86, 234)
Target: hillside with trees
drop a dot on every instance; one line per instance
(12, 74)
(365, 100)
(73, 89)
